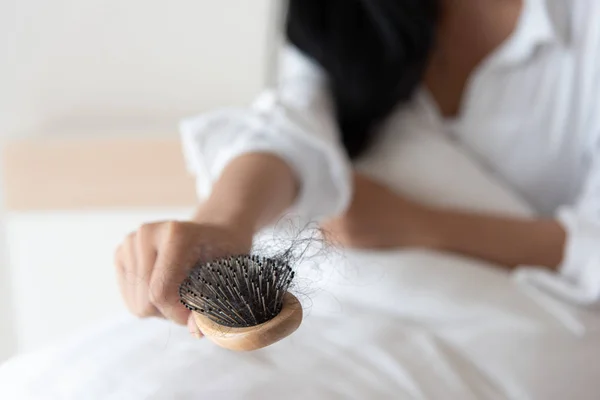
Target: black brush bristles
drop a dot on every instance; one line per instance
(237, 292)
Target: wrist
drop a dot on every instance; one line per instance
(214, 212)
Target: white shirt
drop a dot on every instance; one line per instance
(531, 115)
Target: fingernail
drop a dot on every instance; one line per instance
(196, 334)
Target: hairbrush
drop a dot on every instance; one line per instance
(242, 303)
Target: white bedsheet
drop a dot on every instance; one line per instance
(376, 327)
(389, 325)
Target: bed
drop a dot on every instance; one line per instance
(378, 325)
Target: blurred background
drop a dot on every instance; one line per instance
(91, 93)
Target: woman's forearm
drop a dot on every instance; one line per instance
(255, 189)
(252, 192)
(502, 240)
(380, 218)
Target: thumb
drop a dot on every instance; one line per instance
(193, 328)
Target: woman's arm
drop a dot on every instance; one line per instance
(251, 164)
(506, 241)
(253, 191)
(294, 121)
(380, 218)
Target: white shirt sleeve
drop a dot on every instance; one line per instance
(581, 266)
(294, 121)
(578, 277)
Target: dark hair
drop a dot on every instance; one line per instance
(374, 52)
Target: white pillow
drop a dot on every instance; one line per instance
(419, 160)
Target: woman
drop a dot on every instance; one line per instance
(517, 82)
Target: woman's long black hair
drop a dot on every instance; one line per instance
(374, 51)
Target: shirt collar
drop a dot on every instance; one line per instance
(535, 28)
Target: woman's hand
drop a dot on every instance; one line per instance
(153, 261)
(253, 191)
(379, 218)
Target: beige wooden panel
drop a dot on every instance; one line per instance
(71, 174)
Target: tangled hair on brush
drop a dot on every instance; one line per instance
(239, 291)
(248, 290)
(374, 52)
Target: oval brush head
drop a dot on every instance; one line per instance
(242, 303)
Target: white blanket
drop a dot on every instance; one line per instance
(381, 325)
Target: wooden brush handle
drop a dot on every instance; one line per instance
(255, 337)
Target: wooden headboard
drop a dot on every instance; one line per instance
(93, 173)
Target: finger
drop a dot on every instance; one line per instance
(133, 280)
(193, 328)
(120, 272)
(124, 265)
(131, 276)
(145, 251)
(171, 268)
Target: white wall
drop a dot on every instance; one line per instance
(63, 270)
(7, 335)
(99, 67)
(8, 338)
